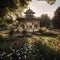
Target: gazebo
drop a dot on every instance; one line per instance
(29, 23)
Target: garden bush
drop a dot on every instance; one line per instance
(41, 31)
(24, 32)
(42, 51)
(2, 39)
(49, 34)
(58, 37)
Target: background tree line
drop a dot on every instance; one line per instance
(45, 21)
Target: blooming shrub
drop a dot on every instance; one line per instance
(33, 48)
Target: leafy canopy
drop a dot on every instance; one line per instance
(56, 19)
(11, 5)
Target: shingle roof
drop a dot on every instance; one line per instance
(29, 11)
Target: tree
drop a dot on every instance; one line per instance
(4, 23)
(56, 19)
(13, 5)
(44, 21)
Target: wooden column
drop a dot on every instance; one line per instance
(39, 25)
(33, 26)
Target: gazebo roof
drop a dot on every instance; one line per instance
(27, 19)
(29, 11)
(28, 16)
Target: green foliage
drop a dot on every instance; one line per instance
(27, 35)
(50, 1)
(11, 5)
(45, 21)
(24, 32)
(4, 23)
(58, 37)
(56, 19)
(40, 31)
(11, 32)
(43, 51)
(29, 51)
(8, 21)
(1, 38)
(49, 34)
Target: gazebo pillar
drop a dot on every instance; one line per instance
(25, 26)
(33, 26)
(39, 26)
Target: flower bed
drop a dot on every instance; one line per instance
(34, 48)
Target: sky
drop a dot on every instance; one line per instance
(42, 7)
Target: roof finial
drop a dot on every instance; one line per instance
(28, 6)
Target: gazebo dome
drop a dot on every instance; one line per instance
(29, 14)
(29, 11)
